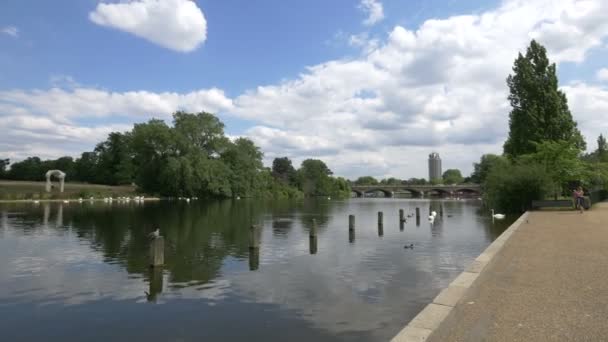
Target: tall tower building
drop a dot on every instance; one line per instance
(434, 166)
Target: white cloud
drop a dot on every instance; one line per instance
(602, 74)
(175, 24)
(11, 31)
(439, 87)
(374, 11)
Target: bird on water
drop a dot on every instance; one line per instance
(497, 216)
(410, 246)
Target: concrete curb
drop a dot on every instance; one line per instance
(429, 319)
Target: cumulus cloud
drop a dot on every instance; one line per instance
(374, 11)
(439, 87)
(174, 24)
(51, 123)
(11, 31)
(602, 74)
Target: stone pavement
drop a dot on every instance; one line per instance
(549, 282)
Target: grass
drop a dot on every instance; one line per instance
(21, 190)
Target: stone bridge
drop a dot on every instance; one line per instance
(418, 190)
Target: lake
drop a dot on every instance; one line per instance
(79, 271)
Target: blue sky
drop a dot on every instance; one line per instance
(355, 83)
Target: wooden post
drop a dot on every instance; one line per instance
(401, 225)
(254, 241)
(157, 251)
(312, 245)
(254, 258)
(351, 222)
(401, 217)
(313, 229)
(380, 230)
(380, 223)
(417, 214)
(156, 284)
(417, 221)
(351, 236)
(441, 210)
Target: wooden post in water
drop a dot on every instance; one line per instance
(254, 241)
(441, 210)
(313, 229)
(254, 259)
(401, 217)
(351, 222)
(312, 247)
(254, 248)
(157, 251)
(156, 284)
(417, 213)
(351, 236)
(380, 215)
(401, 225)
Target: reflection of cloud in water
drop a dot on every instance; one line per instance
(340, 296)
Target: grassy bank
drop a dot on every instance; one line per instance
(20, 190)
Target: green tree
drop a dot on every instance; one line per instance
(85, 167)
(539, 109)
(245, 161)
(485, 165)
(115, 160)
(30, 169)
(366, 180)
(4, 163)
(560, 162)
(602, 149)
(513, 186)
(314, 178)
(202, 131)
(283, 170)
(452, 176)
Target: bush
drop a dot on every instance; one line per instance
(513, 187)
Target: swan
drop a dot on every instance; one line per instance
(434, 213)
(498, 216)
(36, 202)
(187, 200)
(411, 245)
(66, 201)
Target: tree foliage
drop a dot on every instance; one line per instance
(539, 109)
(452, 176)
(193, 157)
(485, 165)
(366, 180)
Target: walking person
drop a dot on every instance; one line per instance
(579, 198)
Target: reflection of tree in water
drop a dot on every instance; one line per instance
(198, 236)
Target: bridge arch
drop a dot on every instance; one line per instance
(387, 193)
(468, 191)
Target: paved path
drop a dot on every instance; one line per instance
(548, 283)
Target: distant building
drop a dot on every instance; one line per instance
(434, 166)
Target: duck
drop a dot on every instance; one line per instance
(187, 200)
(498, 216)
(36, 202)
(66, 201)
(410, 246)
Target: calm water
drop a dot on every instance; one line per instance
(79, 271)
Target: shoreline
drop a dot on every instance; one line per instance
(434, 313)
(77, 200)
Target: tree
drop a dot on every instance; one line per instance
(539, 109)
(85, 167)
(602, 149)
(514, 186)
(3, 167)
(560, 162)
(245, 161)
(314, 178)
(202, 131)
(115, 160)
(366, 180)
(485, 165)
(29, 169)
(283, 170)
(452, 176)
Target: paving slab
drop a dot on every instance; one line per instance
(549, 282)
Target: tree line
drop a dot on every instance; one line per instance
(193, 157)
(450, 176)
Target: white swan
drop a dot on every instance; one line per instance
(434, 213)
(498, 216)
